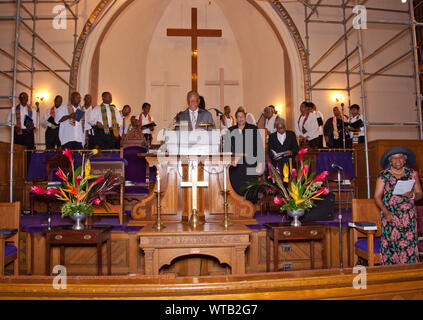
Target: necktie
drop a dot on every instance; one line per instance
(193, 119)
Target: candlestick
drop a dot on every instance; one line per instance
(158, 225)
(226, 222)
(225, 187)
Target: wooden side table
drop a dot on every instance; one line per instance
(91, 235)
(285, 232)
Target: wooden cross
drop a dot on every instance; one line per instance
(194, 33)
(165, 84)
(222, 83)
(194, 183)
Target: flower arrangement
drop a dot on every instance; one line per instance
(80, 190)
(293, 190)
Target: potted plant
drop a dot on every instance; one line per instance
(80, 190)
(294, 190)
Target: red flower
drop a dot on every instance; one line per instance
(277, 200)
(78, 179)
(61, 175)
(294, 173)
(38, 190)
(320, 177)
(68, 154)
(323, 191)
(301, 153)
(97, 201)
(52, 191)
(98, 181)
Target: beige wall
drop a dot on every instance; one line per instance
(135, 51)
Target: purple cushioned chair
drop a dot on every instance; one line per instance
(135, 172)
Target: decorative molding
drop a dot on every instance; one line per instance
(302, 51)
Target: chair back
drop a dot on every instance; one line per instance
(136, 170)
(10, 215)
(365, 210)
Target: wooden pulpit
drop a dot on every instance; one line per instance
(179, 175)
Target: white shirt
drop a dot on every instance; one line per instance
(96, 116)
(44, 122)
(281, 137)
(227, 122)
(144, 121)
(311, 126)
(87, 116)
(358, 133)
(24, 112)
(250, 119)
(270, 124)
(67, 132)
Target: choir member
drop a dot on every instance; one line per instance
(25, 122)
(307, 128)
(320, 120)
(227, 120)
(270, 118)
(335, 130)
(89, 132)
(282, 141)
(106, 121)
(355, 125)
(145, 118)
(71, 131)
(52, 131)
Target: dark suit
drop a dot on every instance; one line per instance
(240, 142)
(203, 117)
(290, 144)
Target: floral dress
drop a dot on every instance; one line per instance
(399, 237)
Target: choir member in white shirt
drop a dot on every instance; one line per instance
(320, 120)
(145, 118)
(126, 111)
(52, 131)
(71, 131)
(89, 131)
(25, 121)
(106, 121)
(307, 128)
(227, 120)
(355, 125)
(269, 118)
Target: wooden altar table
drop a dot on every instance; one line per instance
(179, 239)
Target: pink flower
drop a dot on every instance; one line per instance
(98, 181)
(78, 179)
(301, 153)
(320, 177)
(38, 190)
(269, 176)
(97, 201)
(411, 251)
(61, 175)
(294, 173)
(68, 154)
(305, 169)
(323, 191)
(52, 191)
(277, 200)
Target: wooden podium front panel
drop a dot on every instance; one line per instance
(375, 151)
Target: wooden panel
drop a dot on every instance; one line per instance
(19, 172)
(376, 149)
(394, 282)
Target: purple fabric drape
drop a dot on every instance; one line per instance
(341, 158)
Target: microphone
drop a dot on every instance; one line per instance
(217, 111)
(336, 166)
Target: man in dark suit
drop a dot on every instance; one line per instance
(196, 117)
(282, 141)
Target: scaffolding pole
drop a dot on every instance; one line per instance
(13, 116)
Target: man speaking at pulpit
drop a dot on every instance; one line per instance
(195, 117)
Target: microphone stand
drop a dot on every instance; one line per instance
(340, 218)
(343, 125)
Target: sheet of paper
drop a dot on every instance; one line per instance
(403, 186)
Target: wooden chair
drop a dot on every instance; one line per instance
(366, 243)
(9, 242)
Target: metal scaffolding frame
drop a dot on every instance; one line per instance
(312, 9)
(21, 17)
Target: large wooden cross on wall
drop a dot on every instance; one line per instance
(194, 33)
